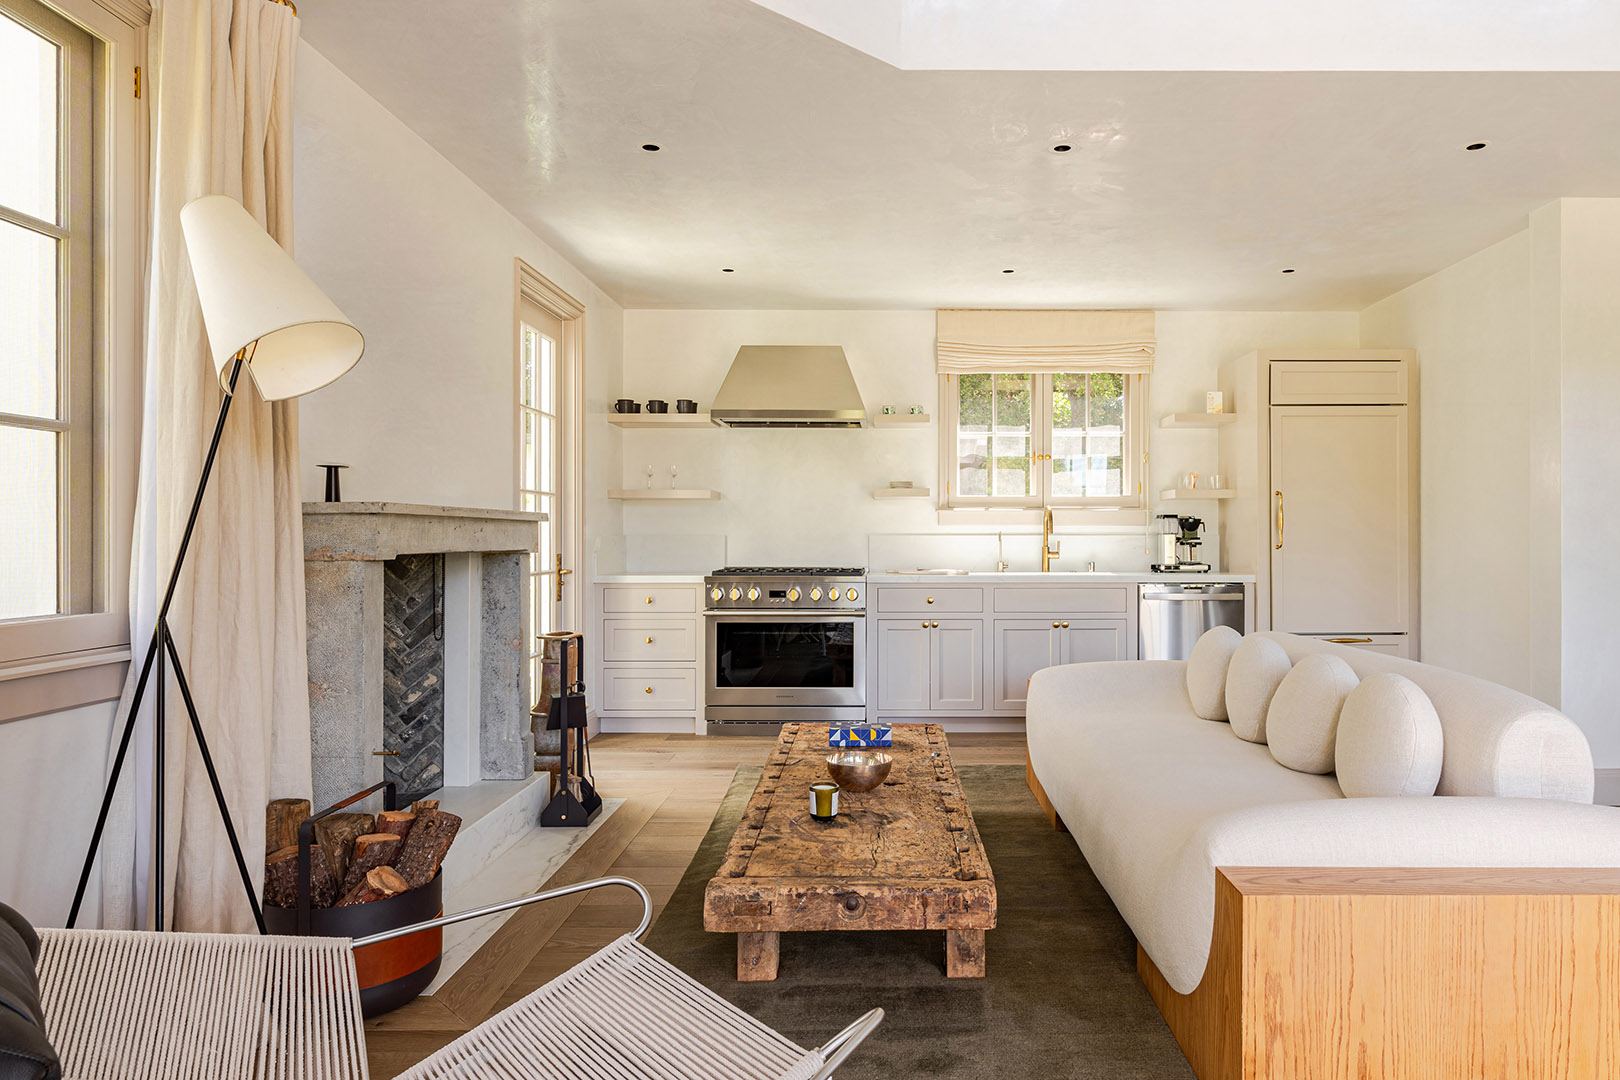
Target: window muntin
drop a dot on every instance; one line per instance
(1028, 440)
(50, 513)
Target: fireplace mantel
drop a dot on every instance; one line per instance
(379, 531)
(485, 602)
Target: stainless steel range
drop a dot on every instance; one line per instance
(786, 643)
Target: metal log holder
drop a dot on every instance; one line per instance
(306, 837)
(576, 802)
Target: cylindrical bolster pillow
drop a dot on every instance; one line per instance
(1389, 741)
(1206, 671)
(1257, 669)
(1303, 721)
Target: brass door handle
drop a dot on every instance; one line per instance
(1350, 640)
(561, 573)
(385, 753)
(1278, 545)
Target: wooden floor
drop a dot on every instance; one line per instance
(672, 785)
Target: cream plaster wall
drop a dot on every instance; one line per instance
(805, 495)
(41, 857)
(1471, 325)
(421, 259)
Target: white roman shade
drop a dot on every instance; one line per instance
(977, 340)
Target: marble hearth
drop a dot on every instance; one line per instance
(452, 581)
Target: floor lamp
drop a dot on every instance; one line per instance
(263, 313)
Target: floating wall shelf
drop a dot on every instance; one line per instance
(660, 420)
(662, 494)
(1197, 420)
(902, 493)
(1197, 493)
(905, 420)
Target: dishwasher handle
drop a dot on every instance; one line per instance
(1199, 593)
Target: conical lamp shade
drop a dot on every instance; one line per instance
(252, 292)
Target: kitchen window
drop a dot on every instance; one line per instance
(1028, 440)
(71, 213)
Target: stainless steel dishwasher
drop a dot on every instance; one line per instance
(1172, 616)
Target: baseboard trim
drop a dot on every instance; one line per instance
(1606, 789)
(647, 725)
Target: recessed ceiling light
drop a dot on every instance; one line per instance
(1062, 148)
(1288, 270)
(1006, 271)
(727, 270)
(651, 148)
(1476, 146)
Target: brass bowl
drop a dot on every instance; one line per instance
(859, 770)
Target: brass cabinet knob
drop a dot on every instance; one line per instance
(930, 599)
(649, 641)
(1054, 626)
(1065, 626)
(649, 599)
(649, 689)
(925, 624)
(935, 625)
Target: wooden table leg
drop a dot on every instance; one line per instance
(757, 955)
(964, 954)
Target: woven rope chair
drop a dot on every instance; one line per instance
(138, 1005)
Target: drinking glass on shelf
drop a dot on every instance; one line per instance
(1216, 481)
(1190, 481)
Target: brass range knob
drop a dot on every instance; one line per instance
(716, 593)
(735, 592)
(793, 593)
(849, 595)
(815, 593)
(753, 593)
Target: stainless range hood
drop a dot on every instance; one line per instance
(807, 386)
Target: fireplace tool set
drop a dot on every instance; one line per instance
(576, 802)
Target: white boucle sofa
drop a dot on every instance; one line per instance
(1158, 798)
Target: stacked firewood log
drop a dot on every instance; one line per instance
(356, 858)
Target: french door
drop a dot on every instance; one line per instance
(549, 453)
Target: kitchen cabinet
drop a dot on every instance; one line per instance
(925, 665)
(1323, 462)
(1339, 556)
(1025, 646)
(648, 655)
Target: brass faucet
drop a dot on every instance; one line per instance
(1049, 550)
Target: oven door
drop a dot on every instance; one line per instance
(762, 658)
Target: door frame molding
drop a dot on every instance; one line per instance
(537, 289)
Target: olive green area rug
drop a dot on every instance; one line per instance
(1062, 998)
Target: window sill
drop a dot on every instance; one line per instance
(1063, 517)
(65, 681)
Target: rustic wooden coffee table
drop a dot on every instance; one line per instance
(904, 856)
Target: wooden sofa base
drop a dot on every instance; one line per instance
(1040, 795)
(1409, 973)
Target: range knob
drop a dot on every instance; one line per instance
(793, 593)
(716, 593)
(852, 595)
(832, 594)
(753, 593)
(815, 593)
(736, 593)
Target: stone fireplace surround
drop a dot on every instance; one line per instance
(485, 692)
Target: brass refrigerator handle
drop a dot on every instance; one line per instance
(1278, 545)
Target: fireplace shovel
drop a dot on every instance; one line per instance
(576, 801)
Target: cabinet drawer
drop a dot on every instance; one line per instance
(1344, 382)
(623, 599)
(893, 598)
(626, 689)
(1065, 599)
(1390, 644)
(623, 640)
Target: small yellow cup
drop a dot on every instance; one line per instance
(823, 800)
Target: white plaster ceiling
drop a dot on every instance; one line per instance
(828, 178)
(1223, 35)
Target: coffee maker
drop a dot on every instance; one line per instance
(1191, 537)
(1166, 540)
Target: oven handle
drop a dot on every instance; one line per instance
(796, 616)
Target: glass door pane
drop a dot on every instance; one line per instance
(29, 84)
(30, 511)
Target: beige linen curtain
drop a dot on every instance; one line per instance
(970, 340)
(221, 75)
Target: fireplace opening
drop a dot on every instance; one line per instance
(413, 674)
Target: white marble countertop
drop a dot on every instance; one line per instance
(1056, 577)
(649, 579)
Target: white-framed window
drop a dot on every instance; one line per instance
(1024, 441)
(72, 226)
